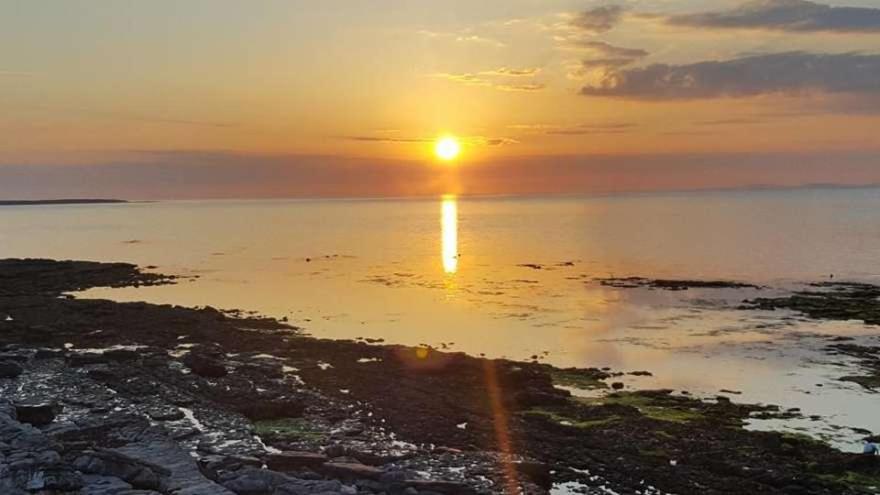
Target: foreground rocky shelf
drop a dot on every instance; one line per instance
(101, 397)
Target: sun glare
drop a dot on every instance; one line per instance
(447, 148)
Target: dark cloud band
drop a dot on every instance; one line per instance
(786, 15)
(789, 72)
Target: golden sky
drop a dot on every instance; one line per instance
(285, 97)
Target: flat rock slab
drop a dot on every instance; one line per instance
(288, 461)
(184, 476)
(352, 471)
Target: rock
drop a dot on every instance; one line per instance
(351, 471)
(641, 373)
(8, 356)
(278, 408)
(85, 358)
(42, 478)
(291, 461)
(537, 472)
(534, 398)
(9, 369)
(249, 483)
(151, 448)
(104, 485)
(50, 354)
(204, 365)
(37, 414)
(449, 487)
(121, 355)
(309, 487)
(165, 414)
(110, 463)
(215, 466)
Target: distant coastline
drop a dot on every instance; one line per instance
(39, 202)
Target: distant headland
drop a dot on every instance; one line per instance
(38, 202)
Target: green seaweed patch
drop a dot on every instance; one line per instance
(287, 429)
(653, 406)
(851, 479)
(584, 379)
(802, 438)
(567, 421)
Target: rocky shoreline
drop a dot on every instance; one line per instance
(100, 397)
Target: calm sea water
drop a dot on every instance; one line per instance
(448, 272)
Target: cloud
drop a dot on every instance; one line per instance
(520, 87)
(595, 128)
(499, 141)
(13, 73)
(602, 54)
(379, 139)
(599, 19)
(785, 15)
(464, 36)
(731, 121)
(789, 72)
(508, 72)
(477, 80)
(471, 140)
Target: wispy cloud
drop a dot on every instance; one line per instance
(508, 72)
(468, 140)
(477, 79)
(578, 129)
(384, 139)
(785, 15)
(789, 72)
(735, 121)
(595, 128)
(16, 73)
(463, 36)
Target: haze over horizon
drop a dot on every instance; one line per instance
(226, 99)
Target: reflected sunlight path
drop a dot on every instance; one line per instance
(449, 229)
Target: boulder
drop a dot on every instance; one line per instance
(204, 365)
(37, 414)
(165, 414)
(9, 369)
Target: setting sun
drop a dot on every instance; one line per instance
(447, 148)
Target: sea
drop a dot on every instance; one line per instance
(522, 278)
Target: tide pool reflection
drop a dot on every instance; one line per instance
(449, 229)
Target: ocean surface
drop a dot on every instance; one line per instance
(517, 277)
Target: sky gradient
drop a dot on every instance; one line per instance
(278, 98)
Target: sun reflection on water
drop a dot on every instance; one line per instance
(449, 228)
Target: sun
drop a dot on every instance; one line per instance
(447, 148)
